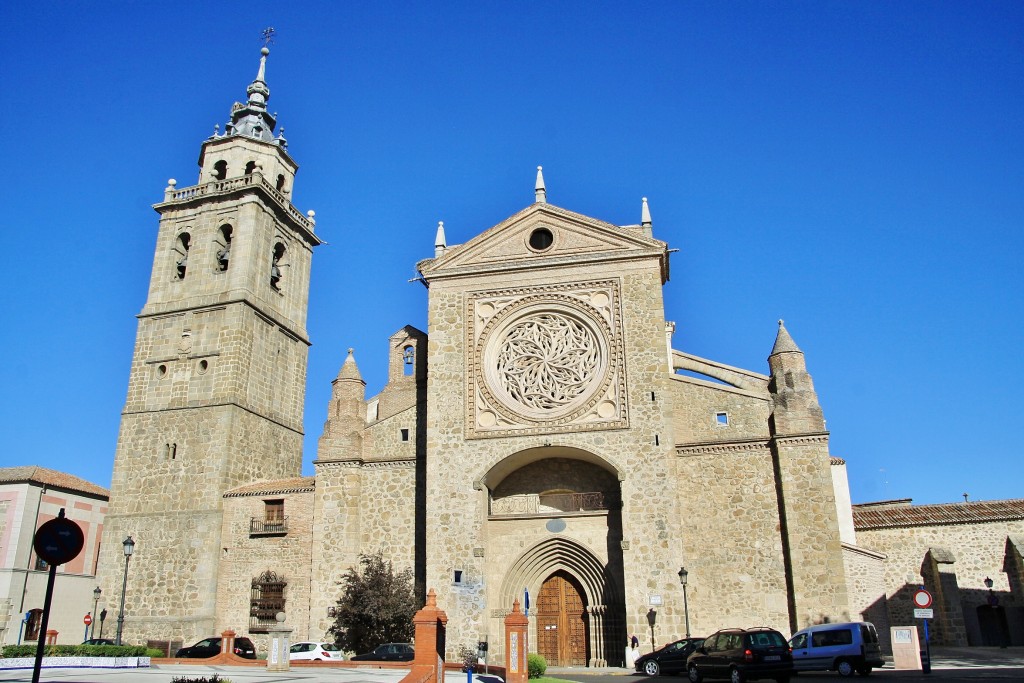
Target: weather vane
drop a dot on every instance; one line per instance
(268, 35)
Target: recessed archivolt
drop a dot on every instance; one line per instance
(506, 465)
(549, 556)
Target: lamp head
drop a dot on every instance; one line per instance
(96, 593)
(682, 575)
(129, 546)
(988, 582)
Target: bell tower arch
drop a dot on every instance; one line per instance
(219, 371)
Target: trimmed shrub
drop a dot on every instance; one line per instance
(536, 665)
(11, 651)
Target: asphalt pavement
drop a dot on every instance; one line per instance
(951, 665)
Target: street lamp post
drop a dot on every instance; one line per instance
(95, 603)
(129, 548)
(683, 574)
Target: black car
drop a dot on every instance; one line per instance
(670, 659)
(210, 647)
(388, 652)
(98, 641)
(740, 654)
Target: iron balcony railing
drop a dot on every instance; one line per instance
(268, 527)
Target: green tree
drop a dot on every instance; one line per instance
(376, 605)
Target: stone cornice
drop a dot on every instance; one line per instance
(863, 551)
(800, 439)
(219, 404)
(359, 463)
(720, 447)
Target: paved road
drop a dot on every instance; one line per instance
(950, 665)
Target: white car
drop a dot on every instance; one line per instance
(317, 652)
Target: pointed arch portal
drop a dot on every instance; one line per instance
(579, 608)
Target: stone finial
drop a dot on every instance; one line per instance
(261, 75)
(783, 342)
(440, 243)
(431, 598)
(349, 369)
(539, 190)
(645, 214)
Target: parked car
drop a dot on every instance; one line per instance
(845, 648)
(98, 641)
(388, 652)
(210, 647)
(670, 659)
(741, 654)
(317, 652)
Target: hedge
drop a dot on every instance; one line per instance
(12, 651)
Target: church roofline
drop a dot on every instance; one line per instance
(890, 514)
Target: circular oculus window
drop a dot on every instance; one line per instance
(541, 239)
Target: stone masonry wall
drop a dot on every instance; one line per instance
(979, 551)
(245, 556)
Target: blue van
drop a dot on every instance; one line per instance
(846, 648)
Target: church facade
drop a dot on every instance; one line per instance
(542, 436)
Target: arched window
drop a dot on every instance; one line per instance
(276, 265)
(224, 247)
(280, 182)
(266, 600)
(220, 170)
(250, 167)
(181, 247)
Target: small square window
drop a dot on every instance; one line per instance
(458, 576)
(722, 419)
(405, 435)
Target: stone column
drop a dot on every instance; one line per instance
(428, 663)
(516, 646)
(280, 645)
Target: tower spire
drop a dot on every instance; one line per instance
(539, 189)
(252, 118)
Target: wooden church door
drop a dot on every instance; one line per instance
(561, 625)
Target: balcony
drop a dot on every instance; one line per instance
(547, 504)
(268, 527)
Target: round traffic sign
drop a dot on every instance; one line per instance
(88, 619)
(922, 598)
(59, 541)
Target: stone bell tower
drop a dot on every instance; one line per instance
(215, 395)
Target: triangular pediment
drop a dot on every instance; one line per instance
(573, 236)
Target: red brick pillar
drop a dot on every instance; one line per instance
(227, 642)
(428, 664)
(516, 624)
(51, 637)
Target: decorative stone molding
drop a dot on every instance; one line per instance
(802, 439)
(545, 359)
(365, 464)
(720, 448)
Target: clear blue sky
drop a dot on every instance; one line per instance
(856, 168)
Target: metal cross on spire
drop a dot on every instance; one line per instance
(268, 35)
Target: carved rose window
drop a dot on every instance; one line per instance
(546, 361)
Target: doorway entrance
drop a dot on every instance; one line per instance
(562, 637)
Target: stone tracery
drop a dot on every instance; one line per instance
(547, 360)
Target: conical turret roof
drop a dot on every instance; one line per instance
(783, 342)
(349, 369)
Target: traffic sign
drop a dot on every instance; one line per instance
(922, 598)
(59, 541)
(88, 620)
(921, 613)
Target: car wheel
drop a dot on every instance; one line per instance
(693, 674)
(736, 676)
(864, 671)
(651, 668)
(845, 668)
